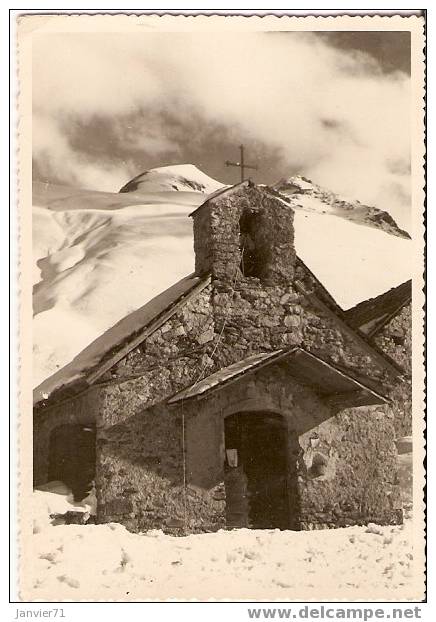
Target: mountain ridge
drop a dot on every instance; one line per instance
(298, 189)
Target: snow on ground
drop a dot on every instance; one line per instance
(57, 498)
(106, 562)
(61, 198)
(99, 255)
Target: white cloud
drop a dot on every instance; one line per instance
(278, 89)
(57, 158)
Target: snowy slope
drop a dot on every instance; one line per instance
(354, 263)
(106, 264)
(99, 256)
(244, 564)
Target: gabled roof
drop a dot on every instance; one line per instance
(326, 379)
(226, 374)
(371, 315)
(124, 336)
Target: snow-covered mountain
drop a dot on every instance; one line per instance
(304, 195)
(99, 256)
(181, 177)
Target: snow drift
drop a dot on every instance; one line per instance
(98, 256)
(55, 498)
(241, 564)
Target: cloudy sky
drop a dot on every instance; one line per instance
(334, 107)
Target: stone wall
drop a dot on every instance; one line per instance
(359, 482)
(141, 466)
(202, 246)
(170, 357)
(139, 440)
(251, 318)
(139, 479)
(395, 338)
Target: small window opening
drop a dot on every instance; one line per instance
(398, 338)
(319, 465)
(250, 265)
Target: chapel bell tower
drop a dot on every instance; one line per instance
(245, 232)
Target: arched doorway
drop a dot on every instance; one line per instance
(260, 482)
(72, 457)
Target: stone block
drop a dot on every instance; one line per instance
(292, 320)
(270, 321)
(174, 523)
(119, 506)
(206, 336)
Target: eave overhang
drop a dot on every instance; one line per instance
(334, 386)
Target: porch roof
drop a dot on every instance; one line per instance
(330, 383)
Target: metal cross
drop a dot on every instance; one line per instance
(241, 164)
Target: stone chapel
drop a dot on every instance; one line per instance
(242, 396)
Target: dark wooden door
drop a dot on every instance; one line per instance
(256, 490)
(72, 458)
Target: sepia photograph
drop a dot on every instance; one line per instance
(222, 251)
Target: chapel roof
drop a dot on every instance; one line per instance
(221, 192)
(371, 315)
(125, 335)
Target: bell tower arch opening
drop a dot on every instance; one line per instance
(251, 259)
(251, 263)
(248, 228)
